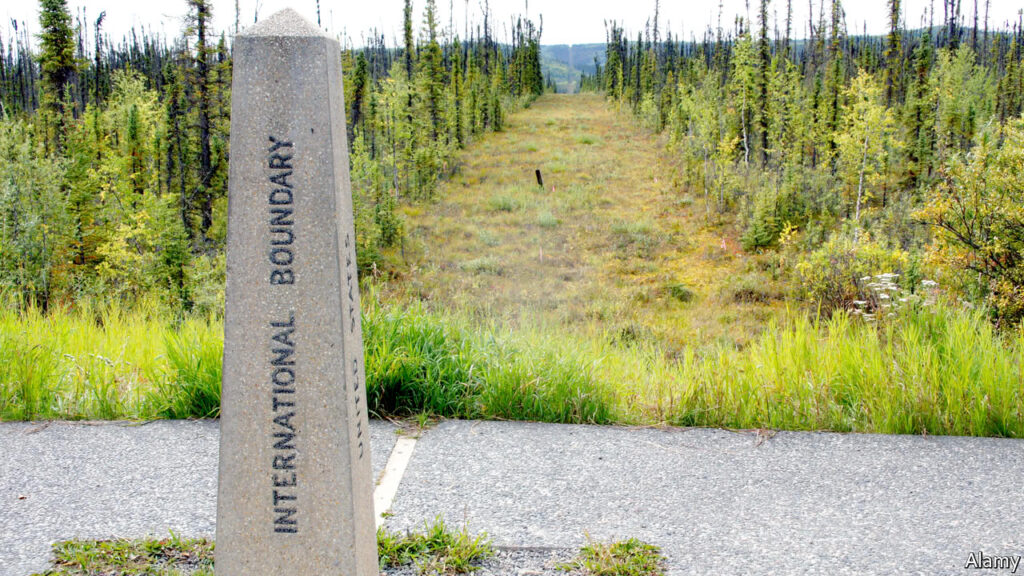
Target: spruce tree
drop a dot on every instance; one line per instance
(410, 46)
(763, 71)
(893, 54)
(57, 62)
(200, 88)
(432, 68)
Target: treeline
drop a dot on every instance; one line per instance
(847, 156)
(410, 109)
(115, 175)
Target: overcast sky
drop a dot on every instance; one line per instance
(565, 21)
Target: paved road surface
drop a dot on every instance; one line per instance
(73, 480)
(717, 502)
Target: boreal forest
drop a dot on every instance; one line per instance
(776, 222)
(857, 155)
(114, 187)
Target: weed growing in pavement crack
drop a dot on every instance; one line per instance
(623, 558)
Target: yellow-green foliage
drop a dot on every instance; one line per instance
(98, 221)
(978, 216)
(932, 371)
(828, 141)
(628, 310)
(864, 143)
(114, 190)
(100, 363)
(833, 276)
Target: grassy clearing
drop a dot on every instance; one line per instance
(623, 558)
(436, 550)
(595, 248)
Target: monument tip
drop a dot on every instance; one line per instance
(286, 22)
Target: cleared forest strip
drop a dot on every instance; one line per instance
(552, 325)
(612, 242)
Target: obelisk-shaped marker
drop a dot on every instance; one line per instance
(295, 487)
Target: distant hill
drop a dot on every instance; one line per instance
(565, 63)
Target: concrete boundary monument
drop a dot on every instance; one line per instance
(295, 492)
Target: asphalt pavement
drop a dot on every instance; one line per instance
(717, 502)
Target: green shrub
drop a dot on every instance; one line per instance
(547, 220)
(977, 212)
(504, 203)
(772, 212)
(834, 276)
(483, 265)
(390, 227)
(680, 292)
(649, 114)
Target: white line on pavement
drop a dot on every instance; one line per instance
(384, 493)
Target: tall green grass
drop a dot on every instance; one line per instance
(935, 371)
(422, 362)
(107, 364)
(104, 363)
(929, 371)
(191, 385)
